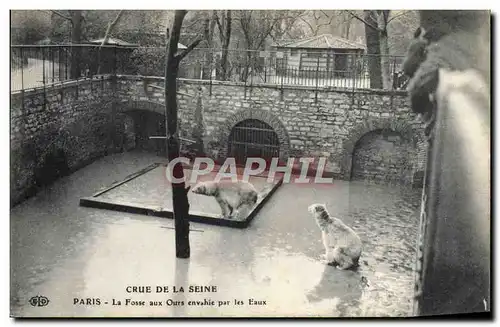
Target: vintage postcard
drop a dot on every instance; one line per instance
(249, 163)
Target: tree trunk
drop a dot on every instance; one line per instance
(76, 38)
(382, 17)
(225, 45)
(347, 29)
(346, 26)
(179, 192)
(373, 49)
(208, 66)
(248, 66)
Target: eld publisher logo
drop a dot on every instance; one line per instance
(39, 301)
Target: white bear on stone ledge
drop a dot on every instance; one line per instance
(230, 195)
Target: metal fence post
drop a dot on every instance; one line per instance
(43, 80)
(251, 76)
(354, 80)
(66, 65)
(265, 69)
(245, 88)
(115, 61)
(210, 72)
(22, 76)
(354, 71)
(317, 80)
(43, 66)
(282, 76)
(22, 67)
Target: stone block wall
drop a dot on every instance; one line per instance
(79, 122)
(308, 122)
(59, 129)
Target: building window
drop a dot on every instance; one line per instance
(314, 54)
(294, 52)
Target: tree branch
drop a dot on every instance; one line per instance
(191, 25)
(264, 36)
(406, 12)
(290, 24)
(245, 25)
(219, 24)
(60, 15)
(185, 52)
(308, 24)
(324, 24)
(324, 13)
(110, 28)
(362, 20)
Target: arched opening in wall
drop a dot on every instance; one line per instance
(129, 131)
(253, 138)
(382, 156)
(146, 124)
(52, 165)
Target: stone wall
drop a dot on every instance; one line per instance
(59, 129)
(80, 121)
(382, 156)
(308, 122)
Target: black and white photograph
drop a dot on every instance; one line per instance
(250, 163)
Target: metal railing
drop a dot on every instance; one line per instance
(35, 66)
(454, 257)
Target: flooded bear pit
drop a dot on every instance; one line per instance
(63, 251)
(152, 189)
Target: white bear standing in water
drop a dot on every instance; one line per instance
(231, 196)
(342, 245)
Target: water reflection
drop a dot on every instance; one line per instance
(343, 285)
(65, 251)
(181, 279)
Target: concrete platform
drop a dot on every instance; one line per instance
(68, 253)
(149, 192)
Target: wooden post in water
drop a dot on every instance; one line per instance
(179, 191)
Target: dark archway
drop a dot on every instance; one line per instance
(253, 138)
(146, 124)
(404, 128)
(144, 119)
(383, 156)
(52, 165)
(221, 135)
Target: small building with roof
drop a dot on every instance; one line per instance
(327, 53)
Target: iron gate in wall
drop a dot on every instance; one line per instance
(253, 138)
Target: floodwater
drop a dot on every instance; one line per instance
(153, 189)
(86, 261)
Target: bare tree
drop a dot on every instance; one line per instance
(377, 40)
(179, 191)
(224, 24)
(346, 25)
(106, 38)
(209, 38)
(315, 20)
(373, 49)
(289, 27)
(75, 17)
(257, 26)
(382, 21)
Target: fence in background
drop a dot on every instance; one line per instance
(36, 66)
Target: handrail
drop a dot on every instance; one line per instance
(455, 242)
